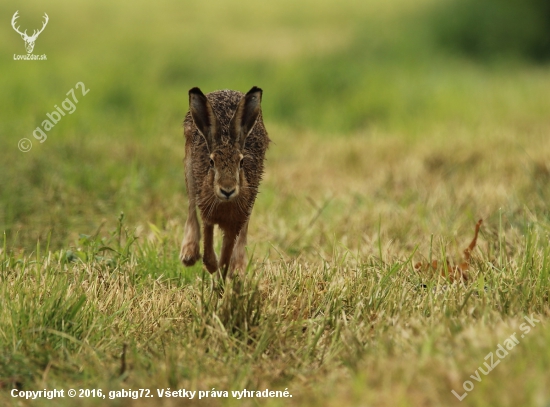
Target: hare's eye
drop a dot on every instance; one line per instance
(211, 163)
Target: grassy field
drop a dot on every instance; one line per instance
(386, 151)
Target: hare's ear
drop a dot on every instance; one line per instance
(203, 116)
(245, 116)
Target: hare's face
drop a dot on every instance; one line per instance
(226, 166)
(225, 144)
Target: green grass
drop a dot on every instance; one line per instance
(386, 151)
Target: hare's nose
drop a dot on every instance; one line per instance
(227, 193)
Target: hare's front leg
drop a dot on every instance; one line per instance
(190, 247)
(228, 244)
(209, 259)
(238, 259)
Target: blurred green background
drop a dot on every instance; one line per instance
(329, 70)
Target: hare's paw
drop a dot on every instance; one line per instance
(190, 253)
(239, 260)
(238, 266)
(211, 263)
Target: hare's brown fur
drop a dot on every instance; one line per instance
(225, 145)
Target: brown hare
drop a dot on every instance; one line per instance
(225, 144)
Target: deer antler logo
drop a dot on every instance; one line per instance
(29, 41)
